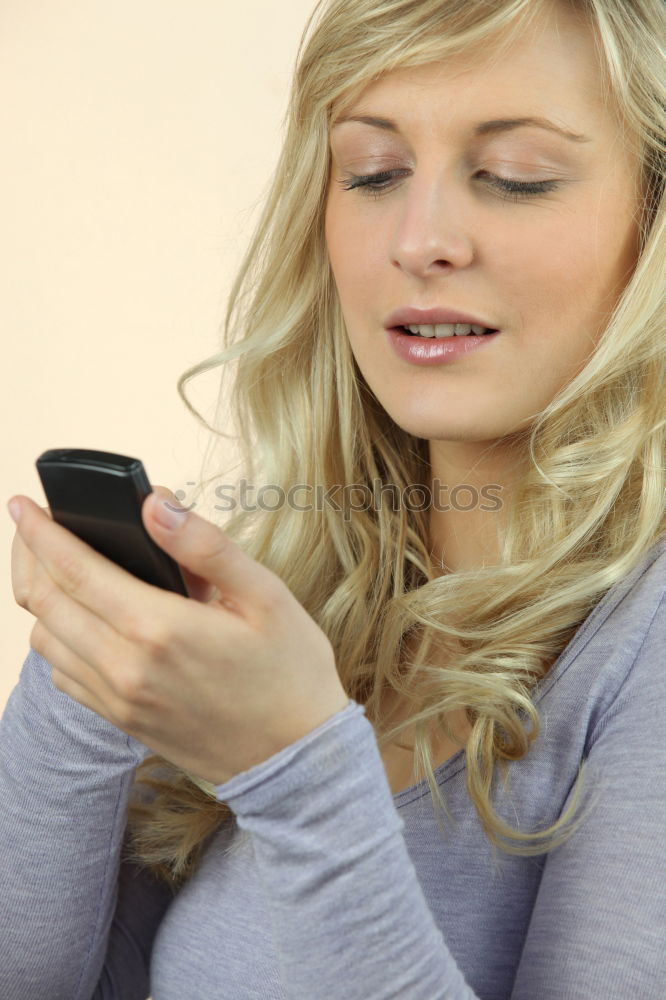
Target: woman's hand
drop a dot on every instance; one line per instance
(215, 683)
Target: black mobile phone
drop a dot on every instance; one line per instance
(98, 496)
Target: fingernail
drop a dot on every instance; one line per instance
(14, 508)
(168, 513)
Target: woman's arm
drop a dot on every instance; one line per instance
(65, 778)
(347, 909)
(598, 929)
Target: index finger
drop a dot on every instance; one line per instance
(115, 595)
(22, 566)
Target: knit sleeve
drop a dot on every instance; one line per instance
(347, 910)
(74, 922)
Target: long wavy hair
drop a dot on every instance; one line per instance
(588, 507)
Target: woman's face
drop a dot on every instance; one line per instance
(546, 270)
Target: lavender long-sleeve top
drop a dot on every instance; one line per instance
(327, 886)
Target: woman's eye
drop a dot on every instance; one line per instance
(377, 184)
(515, 190)
(369, 183)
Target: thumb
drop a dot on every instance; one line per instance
(206, 551)
(197, 588)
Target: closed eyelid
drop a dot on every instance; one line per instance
(533, 165)
(540, 150)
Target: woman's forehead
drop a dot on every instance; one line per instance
(554, 53)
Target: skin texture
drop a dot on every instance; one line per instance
(545, 270)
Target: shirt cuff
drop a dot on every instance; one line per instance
(330, 738)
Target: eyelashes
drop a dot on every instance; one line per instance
(511, 190)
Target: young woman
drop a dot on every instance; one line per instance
(404, 739)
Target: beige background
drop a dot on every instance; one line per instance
(138, 139)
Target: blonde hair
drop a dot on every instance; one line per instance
(588, 507)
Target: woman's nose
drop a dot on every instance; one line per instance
(433, 230)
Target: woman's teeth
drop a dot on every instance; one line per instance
(447, 330)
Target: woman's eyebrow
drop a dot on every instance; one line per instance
(483, 128)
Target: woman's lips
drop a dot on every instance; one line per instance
(419, 350)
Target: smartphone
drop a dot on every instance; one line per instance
(98, 496)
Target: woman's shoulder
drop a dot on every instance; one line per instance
(616, 647)
(648, 564)
(631, 604)
(648, 576)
